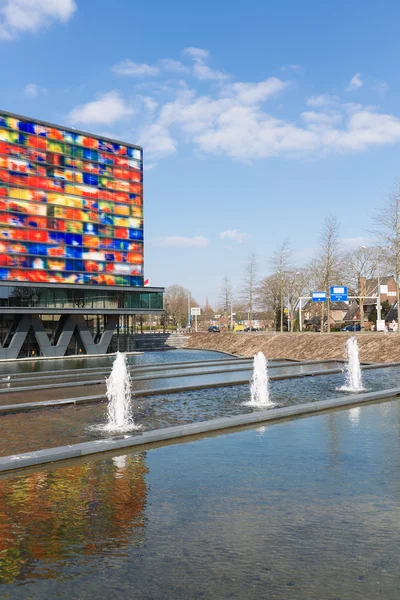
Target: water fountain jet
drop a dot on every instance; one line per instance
(119, 396)
(259, 387)
(352, 370)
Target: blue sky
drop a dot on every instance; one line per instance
(257, 118)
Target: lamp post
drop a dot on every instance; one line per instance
(188, 297)
(378, 306)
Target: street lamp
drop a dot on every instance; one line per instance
(188, 297)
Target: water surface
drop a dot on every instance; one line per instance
(23, 432)
(306, 509)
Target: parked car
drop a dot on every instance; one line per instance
(352, 327)
(213, 329)
(250, 329)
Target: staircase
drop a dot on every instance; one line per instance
(146, 342)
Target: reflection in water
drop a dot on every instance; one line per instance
(307, 510)
(49, 517)
(354, 414)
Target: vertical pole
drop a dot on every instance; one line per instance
(328, 306)
(118, 335)
(281, 294)
(300, 317)
(195, 323)
(378, 308)
(188, 311)
(322, 318)
(127, 333)
(361, 292)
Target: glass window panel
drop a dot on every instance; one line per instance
(71, 206)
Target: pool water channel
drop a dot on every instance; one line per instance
(46, 428)
(306, 509)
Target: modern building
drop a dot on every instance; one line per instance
(71, 240)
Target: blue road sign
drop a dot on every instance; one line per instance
(319, 296)
(339, 293)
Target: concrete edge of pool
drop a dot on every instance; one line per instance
(49, 455)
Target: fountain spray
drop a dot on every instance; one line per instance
(352, 370)
(259, 388)
(119, 396)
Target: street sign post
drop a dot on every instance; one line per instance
(195, 312)
(339, 293)
(319, 296)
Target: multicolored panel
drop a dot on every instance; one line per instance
(71, 207)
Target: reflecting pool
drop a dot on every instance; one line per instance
(165, 356)
(307, 509)
(46, 428)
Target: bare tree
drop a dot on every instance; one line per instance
(268, 296)
(388, 232)
(358, 266)
(226, 296)
(281, 264)
(327, 266)
(296, 283)
(250, 284)
(207, 312)
(225, 299)
(178, 300)
(361, 262)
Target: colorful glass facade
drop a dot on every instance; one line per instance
(71, 206)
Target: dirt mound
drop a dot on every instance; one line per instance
(374, 347)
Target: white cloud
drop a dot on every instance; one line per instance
(200, 69)
(150, 104)
(173, 66)
(366, 128)
(233, 123)
(196, 241)
(322, 100)
(157, 141)
(320, 118)
(106, 110)
(197, 53)
(31, 90)
(204, 72)
(17, 16)
(127, 68)
(233, 234)
(254, 93)
(247, 132)
(355, 83)
(234, 120)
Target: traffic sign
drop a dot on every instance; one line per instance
(339, 293)
(380, 324)
(195, 311)
(319, 296)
